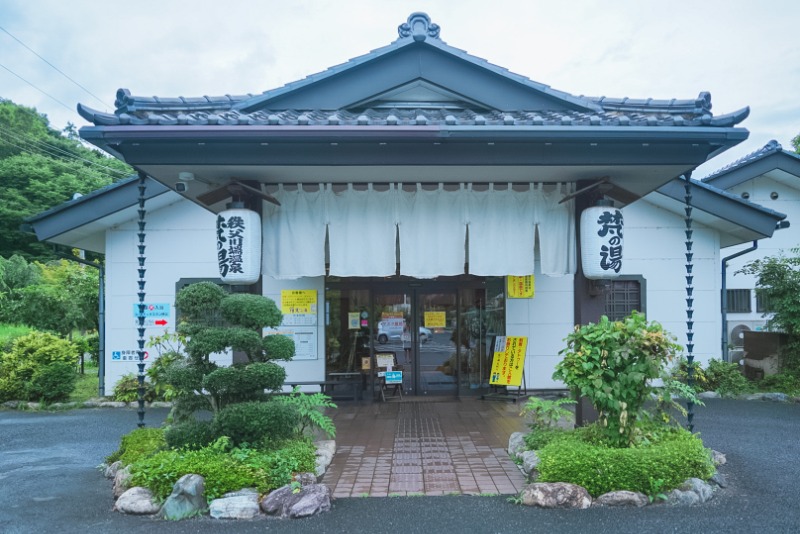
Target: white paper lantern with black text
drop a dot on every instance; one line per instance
(239, 245)
(601, 242)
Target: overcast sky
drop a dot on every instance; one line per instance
(746, 53)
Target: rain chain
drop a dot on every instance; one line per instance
(689, 299)
(141, 293)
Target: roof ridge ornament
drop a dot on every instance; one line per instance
(419, 27)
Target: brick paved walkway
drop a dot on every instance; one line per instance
(430, 447)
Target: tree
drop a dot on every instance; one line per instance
(39, 169)
(778, 280)
(796, 143)
(212, 322)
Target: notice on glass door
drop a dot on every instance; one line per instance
(435, 319)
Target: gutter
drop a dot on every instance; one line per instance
(724, 297)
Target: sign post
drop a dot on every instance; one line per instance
(508, 366)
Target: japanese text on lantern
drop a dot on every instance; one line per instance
(611, 229)
(230, 233)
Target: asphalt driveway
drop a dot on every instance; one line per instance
(49, 483)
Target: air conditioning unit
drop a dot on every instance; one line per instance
(736, 330)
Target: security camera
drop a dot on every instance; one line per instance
(181, 187)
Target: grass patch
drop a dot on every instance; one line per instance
(9, 332)
(86, 386)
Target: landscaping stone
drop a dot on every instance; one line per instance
(516, 444)
(555, 495)
(32, 405)
(63, 405)
(239, 505)
(121, 482)
(288, 502)
(187, 498)
(752, 396)
(111, 470)
(305, 479)
(325, 451)
(112, 404)
(777, 397)
(137, 501)
(11, 404)
(160, 404)
(708, 395)
(682, 498)
(718, 458)
(701, 488)
(719, 479)
(622, 498)
(529, 462)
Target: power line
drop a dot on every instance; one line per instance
(56, 153)
(40, 90)
(54, 67)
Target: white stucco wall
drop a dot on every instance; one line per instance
(784, 240)
(180, 244)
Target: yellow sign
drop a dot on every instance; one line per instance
(509, 360)
(299, 301)
(435, 319)
(521, 287)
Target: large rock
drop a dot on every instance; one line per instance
(777, 397)
(704, 491)
(719, 479)
(121, 482)
(718, 458)
(137, 501)
(516, 444)
(621, 498)
(682, 498)
(187, 498)
(325, 451)
(239, 505)
(556, 495)
(305, 479)
(297, 502)
(530, 460)
(111, 470)
(708, 395)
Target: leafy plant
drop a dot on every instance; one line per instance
(673, 455)
(127, 389)
(681, 373)
(727, 379)
(52, 383)
(781, 382)
(666, 395)
(253, 422)
(28, 355)
(310, 410)
(544, 413)
(138, 444)
(191, 435)
(611, 363)
(656, 492)
(225, 469)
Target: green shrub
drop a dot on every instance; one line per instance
(612, 363)
(674, 457)
(228, 385)
(127, 389)
(681, 373)
(191, 435)
(89, 344)
(727, 379)
(224, 470)
(52, 383)
(545, 413)
(10, 332)
(781, 382)
(138, 444)
(28, 354)
(253, 422)
(539, 438)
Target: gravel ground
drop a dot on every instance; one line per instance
(48, 483)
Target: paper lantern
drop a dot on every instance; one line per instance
(601, 242)
(239, 246)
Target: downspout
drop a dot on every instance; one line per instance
(101, 326)
(724, 297)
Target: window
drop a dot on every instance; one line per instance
(739, 301)
(622, 297)
(763, 304)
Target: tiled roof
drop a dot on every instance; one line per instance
(770, 148)
(249, 109)
(218, 111)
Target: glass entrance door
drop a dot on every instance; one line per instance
(437, 355)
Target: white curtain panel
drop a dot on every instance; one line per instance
(432, 232)
(501, 232)
(556, 224)
(362, 230)
(294, 234)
